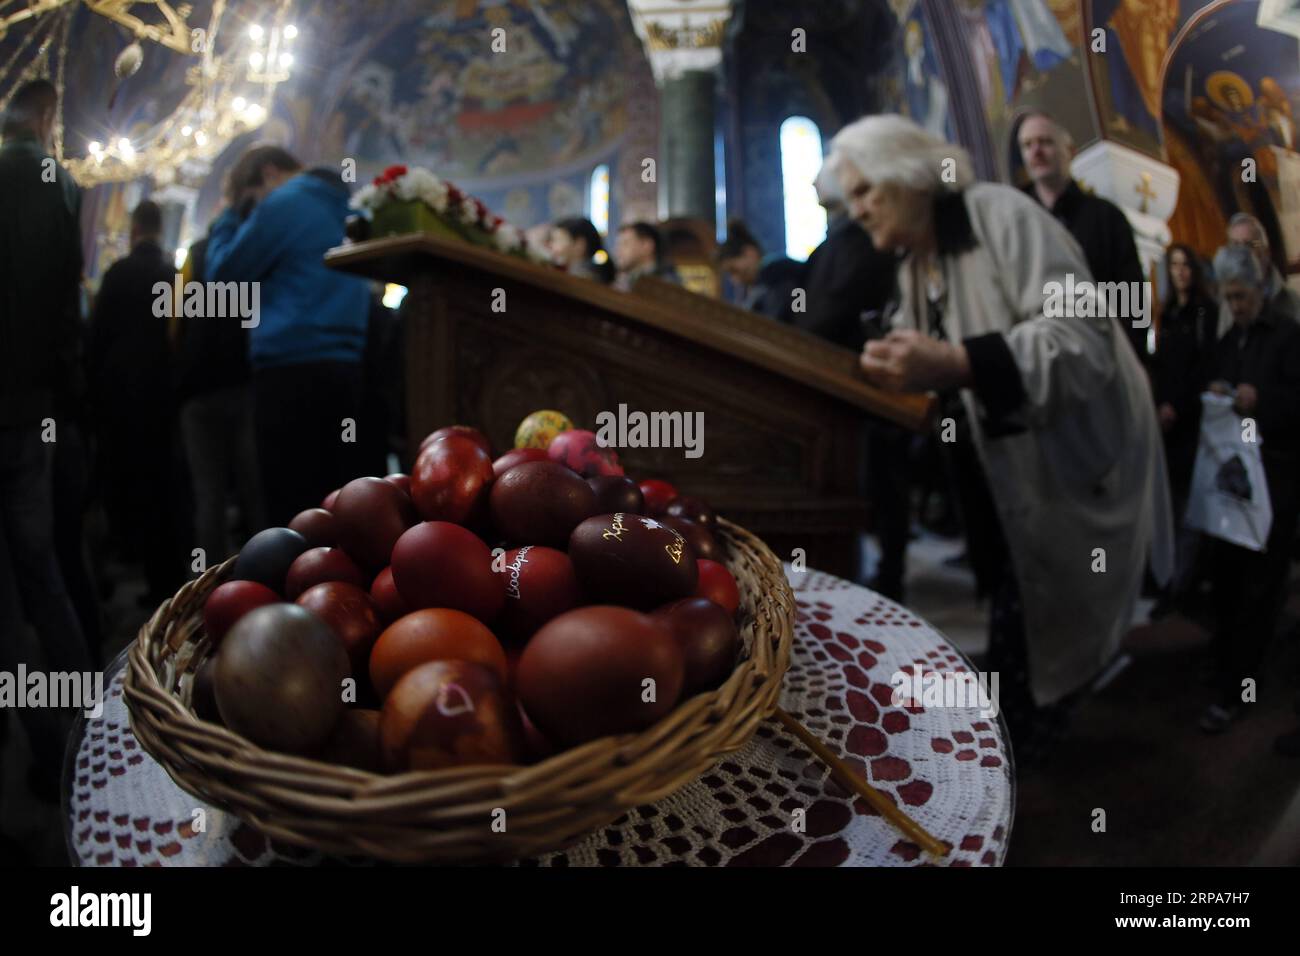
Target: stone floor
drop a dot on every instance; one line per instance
(1172, 796)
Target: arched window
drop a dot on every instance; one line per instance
(801, 159)
(598, 198)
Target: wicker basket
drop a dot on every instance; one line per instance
(446, 816)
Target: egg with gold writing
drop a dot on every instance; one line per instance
(633, 560)
(540, 584)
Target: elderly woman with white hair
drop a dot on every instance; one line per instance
(1258, 362)
(1049, 422)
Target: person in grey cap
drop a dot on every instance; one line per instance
(1258, 362)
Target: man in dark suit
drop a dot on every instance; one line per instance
(131, 389)
(40, 275)
(1098, 225)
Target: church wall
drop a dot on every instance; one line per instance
(415, 82)
(766, 81)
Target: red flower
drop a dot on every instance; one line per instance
(389, 175)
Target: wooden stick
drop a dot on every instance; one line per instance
(845, 775)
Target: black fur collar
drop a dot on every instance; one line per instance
(953, 232)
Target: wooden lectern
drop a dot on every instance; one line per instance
(490, 338)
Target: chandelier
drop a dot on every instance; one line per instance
(229, 86)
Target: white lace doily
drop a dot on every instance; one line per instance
(948, 767)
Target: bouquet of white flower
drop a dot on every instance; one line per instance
(465, 214)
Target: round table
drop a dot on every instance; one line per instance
(948, 767)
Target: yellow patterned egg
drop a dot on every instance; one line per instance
(537, 430)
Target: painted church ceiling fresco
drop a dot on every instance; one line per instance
(417, 82)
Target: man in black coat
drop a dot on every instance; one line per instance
(131, 389)
(1098, 225)
(847, 284)
(40, 275)
(764, 283)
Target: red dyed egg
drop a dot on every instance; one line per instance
(449, 714)
(450, 481)
(717, 584)
(439, 564)
(436, 634)
(331, 500)
(372, 514)
(384, 593)
(657, 495)
(459, 431)
(540, 503)
(231, 601)
(540, 584)
(350, 614)
(597, 671)
(708, 639)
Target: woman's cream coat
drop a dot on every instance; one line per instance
(1082, 492)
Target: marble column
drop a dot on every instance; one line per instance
(683, 42)
(686, 162)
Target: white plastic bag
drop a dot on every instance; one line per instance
(1229, 496)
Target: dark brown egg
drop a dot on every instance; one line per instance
(318, 526)
(516, 457)
(540, 503)
(617, 493)
(449, 714)
(597, 671)
(372, 514)
(708, 638)
(384, 592)
(699, 537)
(279, 679)
(203, 698)
(692, 509)
(318, 565)
(633, 560)
(355, 741)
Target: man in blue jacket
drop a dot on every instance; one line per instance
(306, 342)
